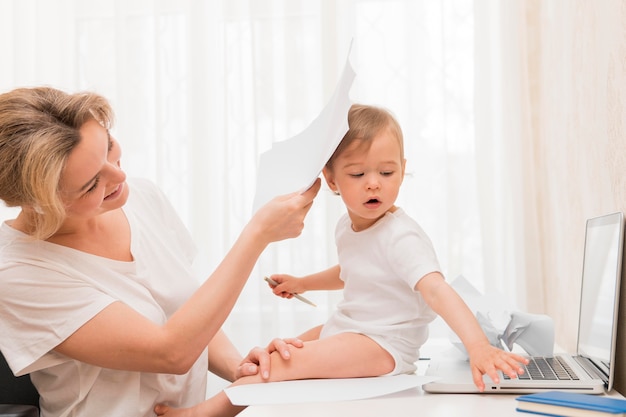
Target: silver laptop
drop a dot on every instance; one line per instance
(591, 369)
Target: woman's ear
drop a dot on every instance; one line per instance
(330, 180)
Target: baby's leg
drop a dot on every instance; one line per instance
(311, 334)
(345, 355)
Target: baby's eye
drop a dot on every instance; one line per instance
(386, 173)
(356, 174)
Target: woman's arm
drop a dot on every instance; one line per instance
(224, 358)
(120, 338)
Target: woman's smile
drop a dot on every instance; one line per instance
(115, 192)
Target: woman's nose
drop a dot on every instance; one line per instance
(115, 172)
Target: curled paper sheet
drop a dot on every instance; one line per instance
(492, 333)
(294, 164)
(532, 332)
(323, 390)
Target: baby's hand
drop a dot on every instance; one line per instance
(285, 285)
(487, 359)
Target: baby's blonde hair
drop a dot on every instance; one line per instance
(364, 124)
(39, 127)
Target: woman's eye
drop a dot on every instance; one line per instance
(94, 186)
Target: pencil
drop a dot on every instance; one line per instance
(298, 296)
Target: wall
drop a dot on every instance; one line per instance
(577, 98)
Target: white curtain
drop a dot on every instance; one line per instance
(201, 88)
(505, 150)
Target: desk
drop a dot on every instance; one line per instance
(409, 403)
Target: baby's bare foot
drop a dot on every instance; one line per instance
(216, 406)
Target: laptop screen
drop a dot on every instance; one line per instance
(600, 289)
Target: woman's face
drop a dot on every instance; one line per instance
(92, 182)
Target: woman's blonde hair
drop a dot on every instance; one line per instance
(364, 124)
(39, 127)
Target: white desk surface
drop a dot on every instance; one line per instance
(408, 403)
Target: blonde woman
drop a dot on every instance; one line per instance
(97, 297)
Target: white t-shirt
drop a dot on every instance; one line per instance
(48, 291)
(380, 267)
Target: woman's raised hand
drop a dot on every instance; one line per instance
(283, 217)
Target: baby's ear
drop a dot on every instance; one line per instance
(330, 179)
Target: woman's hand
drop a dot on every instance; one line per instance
(283, 217)
(258, 360)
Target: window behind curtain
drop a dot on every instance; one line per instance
(201, 88)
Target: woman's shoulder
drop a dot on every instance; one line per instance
(148, 203)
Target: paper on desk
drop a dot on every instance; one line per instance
(294, 164)
(533, 332)
(322, 390)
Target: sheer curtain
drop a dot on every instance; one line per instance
(201, 88)
(505, 100)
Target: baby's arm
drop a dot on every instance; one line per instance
(324, 280)
(484, 358)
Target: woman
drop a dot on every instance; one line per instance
(97, 297)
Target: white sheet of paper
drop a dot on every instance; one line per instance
(322, 390)
(294, 164)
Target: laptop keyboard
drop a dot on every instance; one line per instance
(542, 369)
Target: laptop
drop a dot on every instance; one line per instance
(591, 369)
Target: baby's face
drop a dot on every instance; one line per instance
(368, 180)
